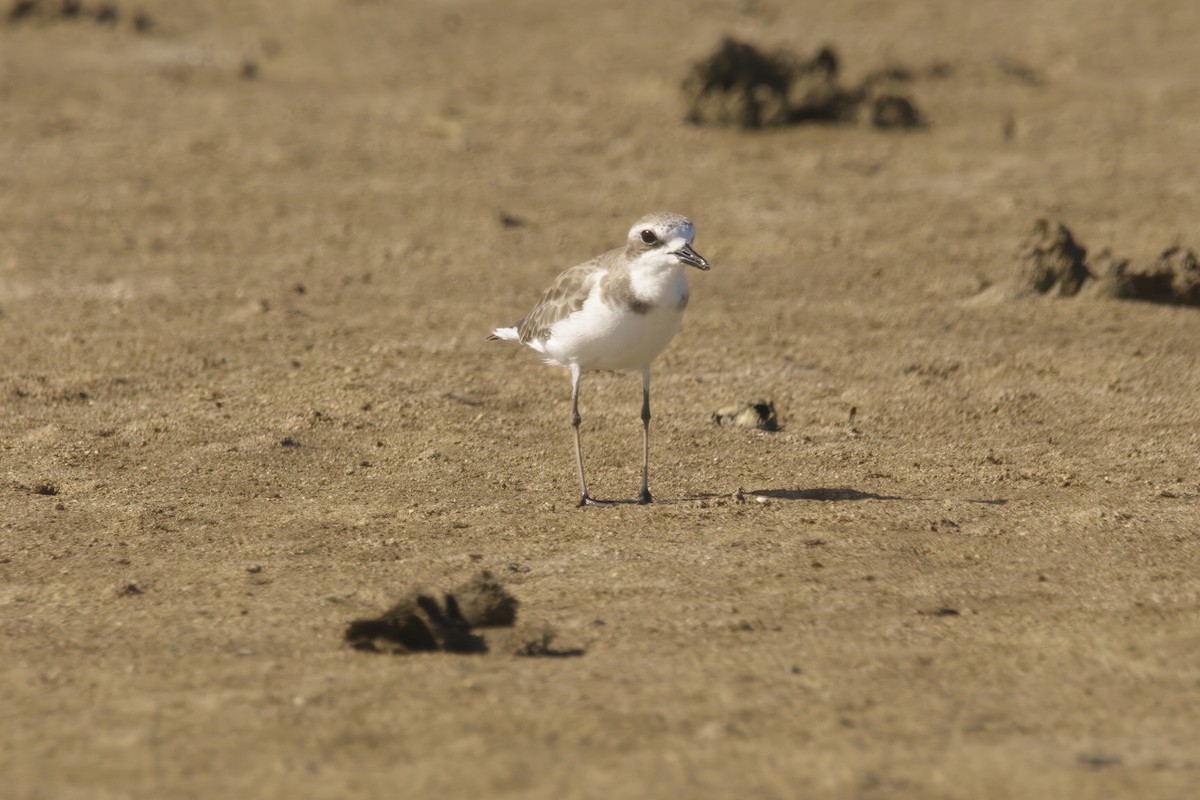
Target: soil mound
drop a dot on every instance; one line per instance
(421, 621)
(1054, 263)
(1173, 278)
(428, 620)
(743, 86)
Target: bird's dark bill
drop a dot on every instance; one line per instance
(690, 257)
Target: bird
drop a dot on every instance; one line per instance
(615, 312)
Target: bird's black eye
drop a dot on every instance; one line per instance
(648, 236)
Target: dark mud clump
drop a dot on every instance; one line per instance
(485, 603)
(1173, 278)
(108, 14)
(427, 620)
(21, 9)
(743, 86)
(45, 488)
(758, 414)
(739, 85)
(1109, 272)
(1053, 261)
(421, 621)
(1184, 270)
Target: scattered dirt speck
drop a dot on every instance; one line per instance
(508, 220)
(1098, 761)
(894, 111)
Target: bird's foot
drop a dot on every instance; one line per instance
(644, 497)
(588, 500)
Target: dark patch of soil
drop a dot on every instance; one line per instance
(21, 9)
(1174, 277)
(249, 70)
(508, 220)
(485, 603)
(427, 620)
(421, 621)
(104, 13)
(1055, 263)
(738, 85)
(741, 85)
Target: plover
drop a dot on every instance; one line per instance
(616, 312)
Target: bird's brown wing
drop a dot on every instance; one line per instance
(564, 297)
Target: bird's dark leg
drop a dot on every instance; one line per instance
(584, 499)
(644, 495)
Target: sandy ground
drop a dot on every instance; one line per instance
(266, 221)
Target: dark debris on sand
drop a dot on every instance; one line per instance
(108, 14)
(1054, 263)
(759, 414)
(421, 621)
(743, 86)
(428, 620)
(1173, 278)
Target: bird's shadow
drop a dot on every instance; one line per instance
(845, 493)
(827, 493)
(835, 494)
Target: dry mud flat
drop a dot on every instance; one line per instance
(249, 253)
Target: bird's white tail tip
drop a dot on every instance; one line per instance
(507, 334)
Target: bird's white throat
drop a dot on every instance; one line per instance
(658, 279)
